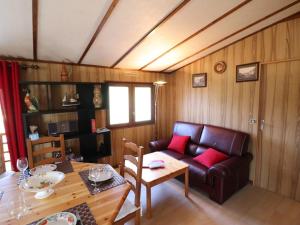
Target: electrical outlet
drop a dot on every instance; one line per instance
(252, 121)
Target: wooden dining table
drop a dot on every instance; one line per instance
(70, 192)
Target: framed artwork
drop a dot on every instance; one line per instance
(247, 72)
(199, 80)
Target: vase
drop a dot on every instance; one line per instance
(97, 100)
(64, 73)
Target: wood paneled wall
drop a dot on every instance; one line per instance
(223, 102)
(229, 104)
(141, 134)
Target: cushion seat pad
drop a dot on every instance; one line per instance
(174, 154)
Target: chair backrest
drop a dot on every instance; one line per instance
(53, 152)
(132, 167)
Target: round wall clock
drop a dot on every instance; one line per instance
(220, 67)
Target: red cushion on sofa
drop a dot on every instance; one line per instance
(178, 143)
(210, 157)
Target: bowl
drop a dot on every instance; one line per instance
(42, 184)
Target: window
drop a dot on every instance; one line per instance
(4, 154)
(118, 105)
(130, 104)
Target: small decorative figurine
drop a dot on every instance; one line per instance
(65, 99)
(70, 101)
(97, 96)
(32, 103)
(64, 73)
(34, 135)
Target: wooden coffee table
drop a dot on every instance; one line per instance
(152, 177)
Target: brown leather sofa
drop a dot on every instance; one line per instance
(224, 178)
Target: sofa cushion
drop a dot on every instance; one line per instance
(174, 154)
(195, 150)
(210, 157)
(197, 172)
(228, 141)
(188, 129)
(178, 143)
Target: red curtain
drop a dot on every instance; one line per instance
(11, 109)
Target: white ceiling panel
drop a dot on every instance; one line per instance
(65, 27)
(279, 16)
(248, 14)
(129, 22)
(16, 28)
(194, 16)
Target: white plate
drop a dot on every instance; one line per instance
(106, 175)
(42, 182)
(43, 169)
(61, 218)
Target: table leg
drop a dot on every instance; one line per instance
(186, 180)
(149, 214)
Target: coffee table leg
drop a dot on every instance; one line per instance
(186, 180)
(149, 214)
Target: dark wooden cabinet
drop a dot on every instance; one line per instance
(91, 145)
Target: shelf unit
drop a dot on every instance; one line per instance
(92, 146)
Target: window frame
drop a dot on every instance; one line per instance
(2, 152)
(131, 88)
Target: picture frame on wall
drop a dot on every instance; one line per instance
(247, 72)
(199, 80)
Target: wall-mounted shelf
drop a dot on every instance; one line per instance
(54, 111)
(50, 93)
(25, 82)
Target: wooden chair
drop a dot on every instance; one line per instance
(129, 210)
(32, 153)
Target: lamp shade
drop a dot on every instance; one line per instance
(160, 82)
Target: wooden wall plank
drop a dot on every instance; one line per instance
(229, 104)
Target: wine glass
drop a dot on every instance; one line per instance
(94, 174)
(22, 165)
(18, 207)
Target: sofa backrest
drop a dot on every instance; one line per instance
(188, 129)
(202, 136)
(225, 140)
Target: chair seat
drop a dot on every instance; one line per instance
(127, 208)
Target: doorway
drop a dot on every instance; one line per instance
(278, 167)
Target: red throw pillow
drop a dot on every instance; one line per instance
(178, 143)
(210, 157)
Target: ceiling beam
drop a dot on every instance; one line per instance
(234, 33)
(294, 16)
(198, 32)
(8, 58)
(99, 28)
(34, 27)
(161, 22)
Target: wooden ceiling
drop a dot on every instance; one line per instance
(147, 35)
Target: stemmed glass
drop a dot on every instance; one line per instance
(22, 165)
(94, 174)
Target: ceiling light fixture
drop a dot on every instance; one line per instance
(159, 83)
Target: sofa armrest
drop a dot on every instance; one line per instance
(227, 177)
(159, 145)
(230, 166)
